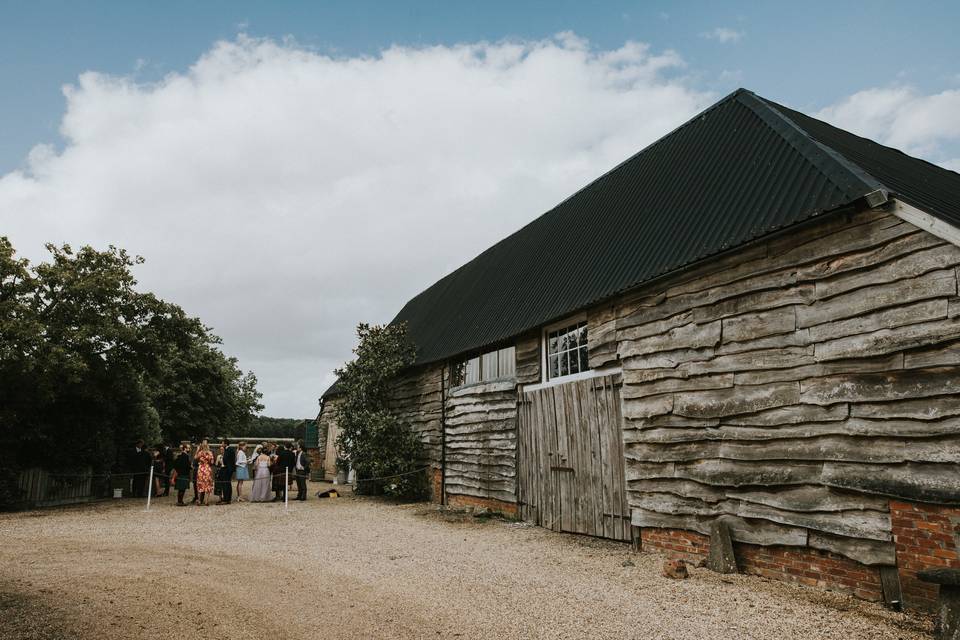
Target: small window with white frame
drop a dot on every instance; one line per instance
(565, 349)
(498, 364)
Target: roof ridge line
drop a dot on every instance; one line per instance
(730, 96)
(817, 153)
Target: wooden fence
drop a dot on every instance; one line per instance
(40, 488)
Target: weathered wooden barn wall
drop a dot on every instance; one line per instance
(481, 434)
(797, 385)
(528, 358)
(417, 398)
(481, 441)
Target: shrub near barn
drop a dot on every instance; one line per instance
(383, 451)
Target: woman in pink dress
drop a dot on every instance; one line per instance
(204, 472)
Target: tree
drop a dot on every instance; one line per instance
(384, 452)
(88, 364)
(196, 389)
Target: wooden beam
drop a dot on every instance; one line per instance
(925, 221)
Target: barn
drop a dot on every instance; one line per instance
(753, 319)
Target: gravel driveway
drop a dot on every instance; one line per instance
(362, 568)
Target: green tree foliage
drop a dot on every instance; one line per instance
(88, 364)
(372, 437)
(266, 427)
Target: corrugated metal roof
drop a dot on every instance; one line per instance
(332, 390)
(917, 182)
(742, 169)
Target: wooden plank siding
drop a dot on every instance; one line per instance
(417, 399)
(571, 458)
(797, 385)
(481, 441)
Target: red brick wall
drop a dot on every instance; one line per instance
(925, 536)
(507, 508)
(688, 545)
(801, 565)
(811, 567)
(436, 485)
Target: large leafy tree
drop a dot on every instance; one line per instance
(88, 364)
(384, 452)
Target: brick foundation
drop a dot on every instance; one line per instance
(436, 485)
(506, 508)
(688, 545)
(925, 536)
(811, 567)
(800, 565)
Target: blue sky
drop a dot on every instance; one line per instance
(288, 170)
(807, 54)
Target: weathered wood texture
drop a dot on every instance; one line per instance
(481, 437)
(796, 386)
(528, 358)
(327, 424)
(417, 398)
(571, 459)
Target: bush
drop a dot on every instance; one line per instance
(385, 454)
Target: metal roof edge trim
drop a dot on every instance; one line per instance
(834, 165)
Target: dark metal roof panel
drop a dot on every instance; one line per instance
(738, 171)
(924, 185)
(742, 169)
(332, 390)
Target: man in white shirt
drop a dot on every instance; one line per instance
(301, 471)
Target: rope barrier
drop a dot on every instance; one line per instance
(161, 476)
(398, 475)
(131, 474)
(215, 471)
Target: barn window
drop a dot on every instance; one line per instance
(565, 348)
(489, 365)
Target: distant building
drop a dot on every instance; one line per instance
(327, 423)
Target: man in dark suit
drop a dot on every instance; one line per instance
(286, 460)
(168, 457)
(226, 473)
(301, 470)
(141, 462)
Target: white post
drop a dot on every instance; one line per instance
(150, 487)
(286, 489)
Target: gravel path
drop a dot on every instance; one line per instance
(363, 568)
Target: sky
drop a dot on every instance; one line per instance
(291, 169)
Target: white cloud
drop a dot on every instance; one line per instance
(284, 195)
(924, 125)
(723, 35)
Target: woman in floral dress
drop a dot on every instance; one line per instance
(204, 472)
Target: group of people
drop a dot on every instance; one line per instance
(271, 468)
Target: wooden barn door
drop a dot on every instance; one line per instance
(570, 466)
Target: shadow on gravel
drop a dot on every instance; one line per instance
(27, 617)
